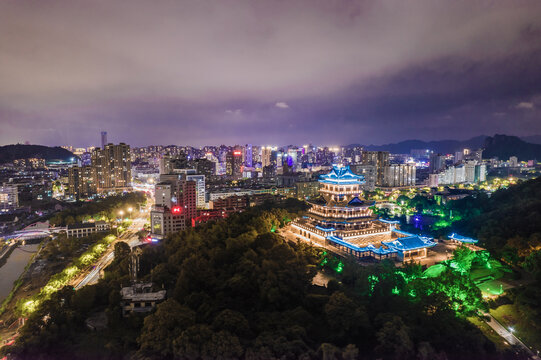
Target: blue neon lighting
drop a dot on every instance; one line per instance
(341, 175)
(461, 238)
(325, 229)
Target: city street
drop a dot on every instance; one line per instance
(129, 236)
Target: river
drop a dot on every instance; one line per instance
(14, 267)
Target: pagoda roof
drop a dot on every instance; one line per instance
(356, 202)
(463, 239)
(341, 175)
(410, 243)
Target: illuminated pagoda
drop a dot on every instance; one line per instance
(342, 219)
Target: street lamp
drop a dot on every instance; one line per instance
(130, 210)
(121, 213)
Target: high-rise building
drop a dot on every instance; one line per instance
(199, 188)
(81, 181)
(112, 168)
(459, 156)
(398, 175)
(205, 167)
(103, 139)
(469, 172)
(266, 153)
(234, 164)
(369, 172)
(380, 159)
(188, 198)
(175, 206)
(164, 195)
(249, 156)
(9, 198)
(437, 162)
(480, 173)
(513, 161)
(169, 164)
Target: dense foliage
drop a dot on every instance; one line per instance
(101, 209)
(509, 222)
(238, 289)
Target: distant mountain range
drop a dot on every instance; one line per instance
(9, 153)
(501, 146)
(441, 146)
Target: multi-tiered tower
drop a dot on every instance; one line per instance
(342, 219)
(340, 210)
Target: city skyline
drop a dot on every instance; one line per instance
(272, 72)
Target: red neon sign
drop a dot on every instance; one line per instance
(236, 153)
(176, 210)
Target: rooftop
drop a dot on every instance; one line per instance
(463, 239)
(341, 175)
(142, 292)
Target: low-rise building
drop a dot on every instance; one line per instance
(140, 298)
(86, 229)
(165, 220)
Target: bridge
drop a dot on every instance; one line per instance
(37, 230)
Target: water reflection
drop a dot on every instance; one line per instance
(14, 267)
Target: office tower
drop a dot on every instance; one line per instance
(9, 198)
(380, 159)
(513, 161)
(234, 164)
(112, 168)
(81, 181)
(437, 162)
(398, 175)
(200, 188)
(103, 139)
(266, 153)
(249, 156)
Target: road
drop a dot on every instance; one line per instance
(507, 335)
(128, 236)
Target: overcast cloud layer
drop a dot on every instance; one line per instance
(326, 72)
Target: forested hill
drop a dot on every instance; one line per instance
(236, 289)
(510, 220)
(9, 153)
(503, 147)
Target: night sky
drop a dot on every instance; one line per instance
(267, 72)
